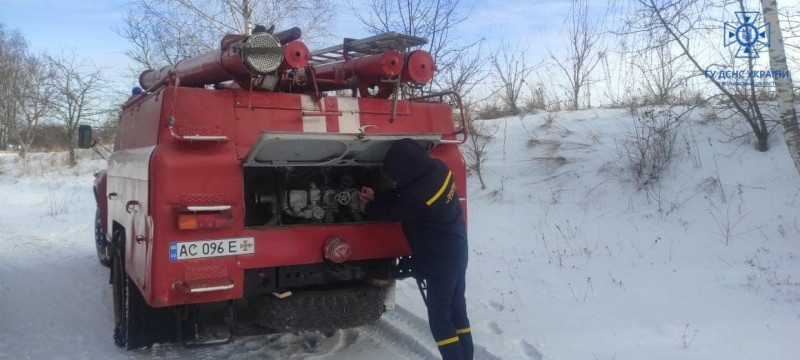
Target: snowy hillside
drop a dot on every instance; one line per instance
(568, 260)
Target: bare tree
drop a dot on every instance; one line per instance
(34, 97)
(77, 96)
(25, 90)
(618, 70)
(458, 65)
(434, 20)
(510, 70)
(790, 20)
(480, 133)
(465, 73)
(682, 19)
(163, 32)
(783, 85)
(661, 70)
(584, 49)
(13, 50)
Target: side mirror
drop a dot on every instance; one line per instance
(84, 136)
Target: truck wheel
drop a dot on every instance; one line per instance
(321, 310)
(129, 305)
(100, 242)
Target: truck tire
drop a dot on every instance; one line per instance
(100, 242)
(320, 310)
(128, 304)
(136, 324)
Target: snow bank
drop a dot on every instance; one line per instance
(570, 261)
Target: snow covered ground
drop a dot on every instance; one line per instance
(568, 260)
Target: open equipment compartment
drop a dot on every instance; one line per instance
(315, 178)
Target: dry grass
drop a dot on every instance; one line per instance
(648, 147)
(549, 120)
(709, 185)
(709, 117)
(49, 164)
(58, 201)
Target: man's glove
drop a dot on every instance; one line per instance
(366, 195)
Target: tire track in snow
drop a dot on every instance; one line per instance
(303, 345)
(404, 331)
(398, 334)
(531, 351)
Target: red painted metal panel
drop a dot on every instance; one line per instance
(138, 125)
(192, 169)
(294, 245)
(410, 118)
(263, 111)
(179, 168)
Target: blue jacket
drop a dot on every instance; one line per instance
(425, 200)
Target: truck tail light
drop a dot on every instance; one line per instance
(204, 220)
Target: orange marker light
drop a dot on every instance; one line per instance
(192, 221)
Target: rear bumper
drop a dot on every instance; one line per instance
(284, 258)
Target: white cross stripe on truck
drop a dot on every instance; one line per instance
(312, 123)
(349, 122)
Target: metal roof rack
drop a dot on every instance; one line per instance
(366, 46)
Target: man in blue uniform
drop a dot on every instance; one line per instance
(426, 202)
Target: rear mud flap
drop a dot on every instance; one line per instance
(389, 295)
(320, 310)
(210, 324)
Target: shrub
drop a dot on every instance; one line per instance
(648, 148)
(494, 111)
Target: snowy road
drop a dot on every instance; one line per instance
(58, 297)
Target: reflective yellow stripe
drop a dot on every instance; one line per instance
(462, 331)
(441, 191)
(447, 341)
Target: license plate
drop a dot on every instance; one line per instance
(210, 248)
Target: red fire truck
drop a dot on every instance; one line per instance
(233, 183)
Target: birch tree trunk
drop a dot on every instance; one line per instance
(783, 84)
(247, 14)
